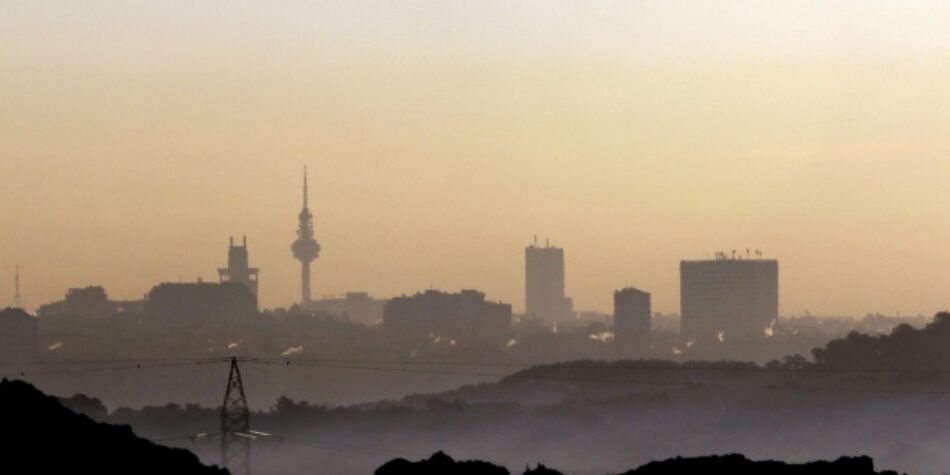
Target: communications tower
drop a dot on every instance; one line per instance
(305, 248)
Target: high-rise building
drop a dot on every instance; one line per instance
(305, 248)
(544, 283)
(238, 269)
(728, 298)
(632, 316)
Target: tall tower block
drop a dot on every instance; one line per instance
(728, 299)
(632, 322)
(544, 283)
(305, 248)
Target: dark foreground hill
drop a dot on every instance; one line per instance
(40, 434)
(739, 465)
(441, 464)
(734, 464)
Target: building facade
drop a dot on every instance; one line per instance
(728, 298)
(89, 302)
(544, 283)
(200, 301)
(632, 322)
(238, 269)
(463, 317)
(357, 307)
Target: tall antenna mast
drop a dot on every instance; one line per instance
(305, 249)
(235, 425)
(17, 301)
(306, 189)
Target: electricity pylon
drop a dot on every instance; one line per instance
(235, 425)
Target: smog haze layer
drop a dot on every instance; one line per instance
(442, 136)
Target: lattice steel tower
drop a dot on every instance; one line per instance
(235, 425)
(305, 248)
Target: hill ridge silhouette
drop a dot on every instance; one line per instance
(734, 464)
(35, 423)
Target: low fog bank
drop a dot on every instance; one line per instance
(885, 396)
(155, 384)
(900, 431)
(903, 432)
(352, 363)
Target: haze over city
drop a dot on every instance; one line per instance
(441, 137)
(475, 237)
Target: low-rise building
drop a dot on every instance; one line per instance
(465, 317)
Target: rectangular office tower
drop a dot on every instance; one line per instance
(544, 283)
(632, 322)
(728, 298)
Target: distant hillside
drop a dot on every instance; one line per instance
(734, 464)
(42, 435)
(906, 359)
(905, 348)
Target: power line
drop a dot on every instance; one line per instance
(129, 367)
(110, 361)
(192, 437)
(600, 365)
(376, 368)
(697, 384)
(428, 370)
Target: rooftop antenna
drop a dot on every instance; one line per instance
(17, 301)
(535, 240)
(547, 242)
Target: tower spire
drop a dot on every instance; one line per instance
(306, 190)
(17, 300)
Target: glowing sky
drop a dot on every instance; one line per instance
(135, 137)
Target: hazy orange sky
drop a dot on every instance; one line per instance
(135, 137)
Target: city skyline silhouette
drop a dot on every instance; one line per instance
(441, 139)
(475, 237)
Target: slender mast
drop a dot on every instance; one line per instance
(305, 248)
